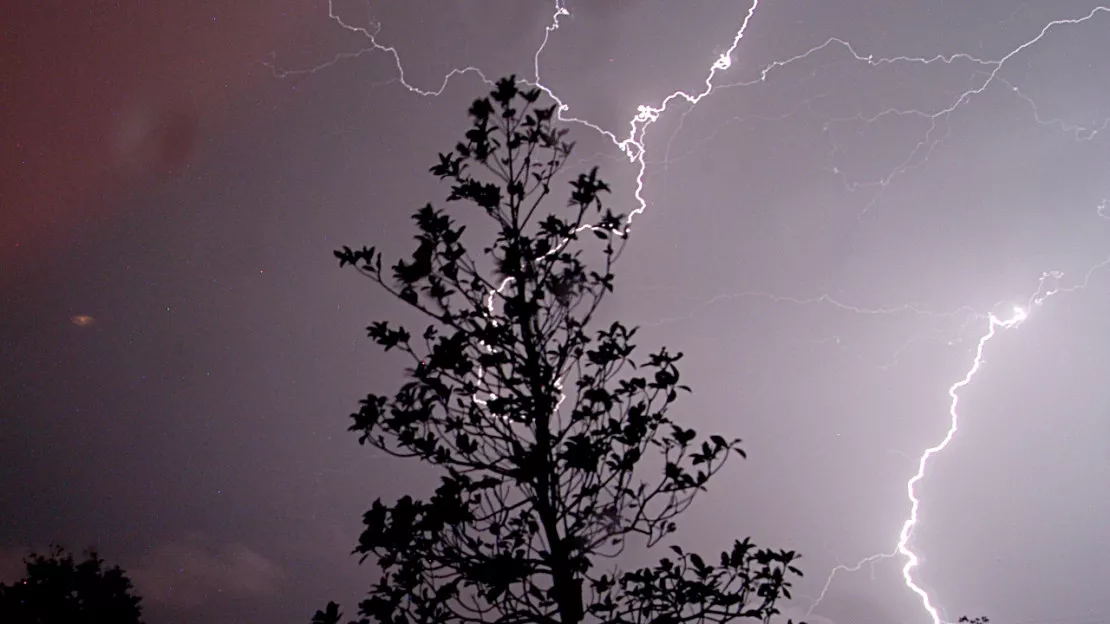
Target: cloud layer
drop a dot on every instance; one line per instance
(192, 571)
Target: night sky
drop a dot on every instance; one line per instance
(827, 234)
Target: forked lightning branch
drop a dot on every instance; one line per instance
(633, 145)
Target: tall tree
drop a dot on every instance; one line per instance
(60, 590)
(555, 445)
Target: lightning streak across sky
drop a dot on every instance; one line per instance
(633, 146)
(994, 323)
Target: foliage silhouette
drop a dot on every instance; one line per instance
(58, 590)
(537, 488)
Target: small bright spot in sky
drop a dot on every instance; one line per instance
(82, 320)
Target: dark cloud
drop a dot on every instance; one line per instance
(154, 137)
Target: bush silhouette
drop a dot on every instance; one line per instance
(59, 590)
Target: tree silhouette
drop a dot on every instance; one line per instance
(555, 446)
(59, 590)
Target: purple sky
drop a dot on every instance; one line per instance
(827, 232)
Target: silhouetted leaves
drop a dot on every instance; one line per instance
(59, 589)
(538, 422)
(330, 616)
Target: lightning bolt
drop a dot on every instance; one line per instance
(633, 146)
(646, 115)
(1047, 287)
(995, 323)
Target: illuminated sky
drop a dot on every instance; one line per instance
(827, 233)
